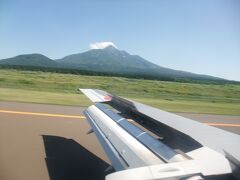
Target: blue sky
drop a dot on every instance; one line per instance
(197, 36)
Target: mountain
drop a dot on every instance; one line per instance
(108, 61)
(37, 60)
(113, 60)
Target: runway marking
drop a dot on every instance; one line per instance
(83, 117)
(223, 124)
(42, 114)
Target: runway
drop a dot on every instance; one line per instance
(225, 122)
(50, 142)
(42, 147)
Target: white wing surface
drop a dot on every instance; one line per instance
(143, 142)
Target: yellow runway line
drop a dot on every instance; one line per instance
(42, 114)
(223, 124)
(82, 117)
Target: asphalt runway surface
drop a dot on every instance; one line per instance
(42, 142)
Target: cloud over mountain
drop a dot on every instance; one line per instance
(101, 45)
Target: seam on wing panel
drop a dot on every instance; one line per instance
(115, 151)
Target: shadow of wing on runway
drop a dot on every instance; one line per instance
(68, 160)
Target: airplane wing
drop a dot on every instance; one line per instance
(143, 142)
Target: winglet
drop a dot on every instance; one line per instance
(96, 95)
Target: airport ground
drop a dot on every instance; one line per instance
(43, 141)
(51, 142)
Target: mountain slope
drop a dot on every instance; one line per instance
(109, 61)
(30, 60)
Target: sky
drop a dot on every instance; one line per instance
(191, 35)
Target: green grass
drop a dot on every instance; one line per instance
(20, 95)
(56, 88)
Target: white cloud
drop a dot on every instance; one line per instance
(101, 45)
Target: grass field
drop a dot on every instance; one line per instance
(56, 88)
